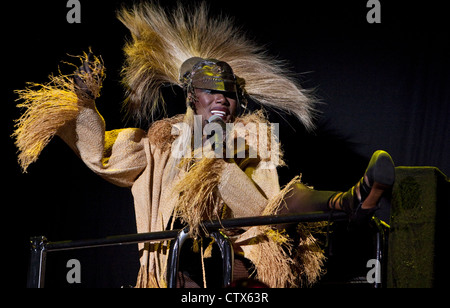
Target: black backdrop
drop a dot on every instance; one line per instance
(383, 86)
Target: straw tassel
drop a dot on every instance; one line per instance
(198, 197)
(48, 107)
(277, 262)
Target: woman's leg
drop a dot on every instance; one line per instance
(302, 199)
(360, 200)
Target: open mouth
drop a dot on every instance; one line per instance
(220, 113)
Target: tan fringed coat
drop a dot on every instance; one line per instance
(142, 161)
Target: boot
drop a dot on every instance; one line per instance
(376, 183)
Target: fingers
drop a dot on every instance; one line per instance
(86, 66)
(90, 68)
(84, 69)
(78, 81)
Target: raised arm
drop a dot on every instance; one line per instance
(118, 156)
(66, 107)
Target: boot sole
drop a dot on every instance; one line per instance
(383, 170)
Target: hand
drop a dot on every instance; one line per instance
(88, 70)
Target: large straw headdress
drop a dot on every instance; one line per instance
(163, 40)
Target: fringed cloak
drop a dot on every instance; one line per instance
(144, 162)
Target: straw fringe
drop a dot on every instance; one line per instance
(277, 262)
(48, 107)
(273, 263)
(198, 199)
(309, 257)
(148, 279)
(269, 249)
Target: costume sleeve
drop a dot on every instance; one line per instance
(118, 155)
(60, 108)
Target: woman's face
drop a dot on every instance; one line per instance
(211, 102)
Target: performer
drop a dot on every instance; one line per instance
(219, 69)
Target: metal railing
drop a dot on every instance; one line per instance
(40, 246)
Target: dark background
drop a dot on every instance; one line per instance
(383, 86)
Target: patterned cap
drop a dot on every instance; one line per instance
(209, 74)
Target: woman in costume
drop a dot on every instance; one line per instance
(219, 69)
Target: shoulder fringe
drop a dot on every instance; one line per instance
(48, 107)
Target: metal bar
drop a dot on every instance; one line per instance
(40, 246)
(274, 220)
(113, 240)
(209, 226)
(36, 269)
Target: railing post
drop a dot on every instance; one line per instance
(227, 253)
(174, 256)
(36, 269)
